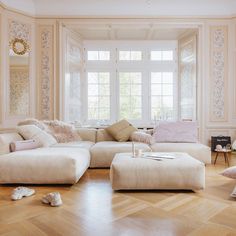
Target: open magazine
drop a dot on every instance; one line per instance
(159, 156)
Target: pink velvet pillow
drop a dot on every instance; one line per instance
(230, 172)
(176, 132)
(142, 137)
(23, 145)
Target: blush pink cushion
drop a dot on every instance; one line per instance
(23, 145)
(142, 137)
(230, 172)
(176, 132)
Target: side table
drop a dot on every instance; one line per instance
(225, 155)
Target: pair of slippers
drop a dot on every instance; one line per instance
(54, 199)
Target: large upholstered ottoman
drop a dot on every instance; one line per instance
(183, 172)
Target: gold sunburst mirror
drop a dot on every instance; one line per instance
(19, 46)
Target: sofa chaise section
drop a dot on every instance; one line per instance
(197, 150)
(44, 166)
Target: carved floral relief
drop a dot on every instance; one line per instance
(46, 44)
(218, 72)
(19, 91)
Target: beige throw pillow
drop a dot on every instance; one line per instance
(121, 131)
(40, 136)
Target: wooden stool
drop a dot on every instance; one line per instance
(225, 154)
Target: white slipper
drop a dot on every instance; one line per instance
(233, 194)
(54, 199)
(20, 192)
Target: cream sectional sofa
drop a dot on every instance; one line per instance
(65, 163)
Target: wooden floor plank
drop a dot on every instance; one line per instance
(91, 207)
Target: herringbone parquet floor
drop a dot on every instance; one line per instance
(92, 208)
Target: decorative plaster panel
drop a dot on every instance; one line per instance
(19, 91)
(218, 72)
(19, 30)
(46, 71)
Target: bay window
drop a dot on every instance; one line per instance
(129, 80)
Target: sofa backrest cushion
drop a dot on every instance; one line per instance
(103, 135)
(176, 132)
(88, 134)
(42, 138)
(6, 139)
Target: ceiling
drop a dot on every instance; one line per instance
(130, 8)
(128, 32)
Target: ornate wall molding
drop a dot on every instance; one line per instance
(19, 30)
(19, 91)
(218, 73)
(45, 35)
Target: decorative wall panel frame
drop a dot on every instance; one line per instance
(45, 37)
(18, 28)
(218, 73)
(188, 72)
(1, 66)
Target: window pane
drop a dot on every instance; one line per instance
(156, 113)
(130, 95)
(156, 77)
(135, 77)
(105, 101)
(168, 101)
(135, 102)
(92, 78)
(104, 78)
(124, 78)
(124, 55)
(130, 55)
(167, 89)
(98, 96)
(98, 55)
(162, 95)
(167, 77)
(135, 55)
(156, 101)
(104, 90)
(104, 113)
(104, 55)
(92, 55)
(156, 55)
(92, 89)
(167, 55)
(136, 89)
(125, 89)
(156, 89)
(93, 101)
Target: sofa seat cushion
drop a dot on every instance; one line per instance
(44, 166)
(197, 150)
(79, 144)
(102, 153)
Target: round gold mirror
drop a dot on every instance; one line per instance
(19, 46)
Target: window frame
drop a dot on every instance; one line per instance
(114, 66)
